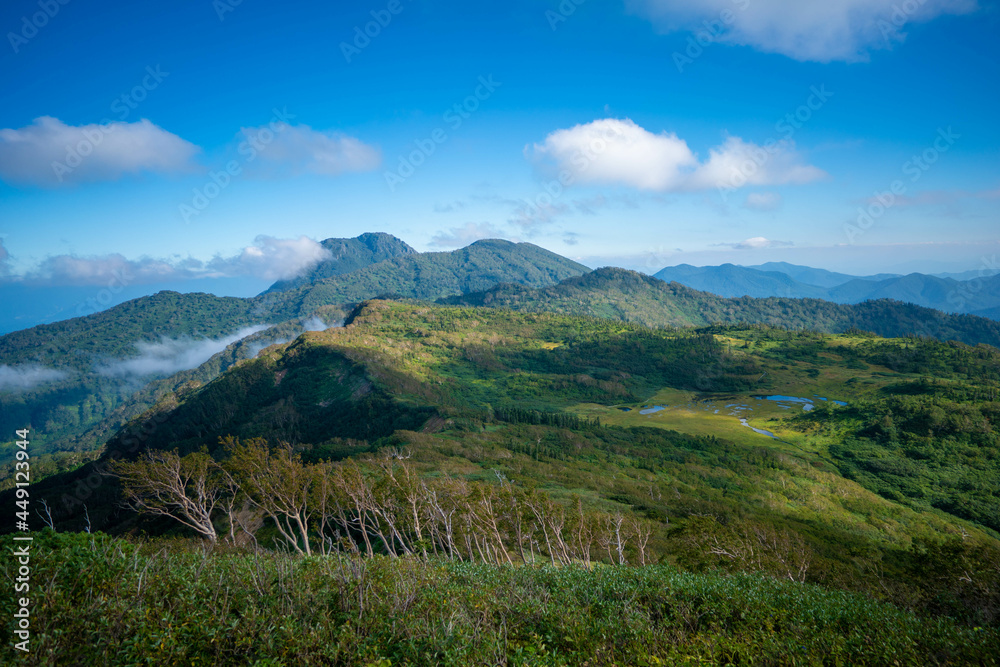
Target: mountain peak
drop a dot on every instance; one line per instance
(349, 255)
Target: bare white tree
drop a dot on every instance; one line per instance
(187, 489)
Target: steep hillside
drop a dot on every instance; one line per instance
(78, 342)
(301, 392)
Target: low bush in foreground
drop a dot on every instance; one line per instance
(105, 601)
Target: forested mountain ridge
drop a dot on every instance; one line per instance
(347, 255)
(82, 405)
(432, 275)
(111, 333)
(83, 395)
(76, 373)
(635, 297)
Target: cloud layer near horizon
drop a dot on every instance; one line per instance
(833, 30)
(269, 259)
(613, 151)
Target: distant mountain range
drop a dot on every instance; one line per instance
(968, 294)
(85, 377)
(615, 293)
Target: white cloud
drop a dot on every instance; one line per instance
(314, 323)
(470, 232)
(762, 201)
(74, 270)
(737, 163)
(27, 376)
(269, 258)
(844, 30)
(299, 149)
(50, 153)
(273, 259)
(618, 152)
(172, 355)
(610, 150)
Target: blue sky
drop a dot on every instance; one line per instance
(642, 133)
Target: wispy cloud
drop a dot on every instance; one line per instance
(459, 237)
(27, 376)
(450, 207)
(299, 149)
(4, 260)
(172, 355)
(50, 153)
(612, 151)
(269, 258)
(762, 201)
(314, 323)
(843, 30)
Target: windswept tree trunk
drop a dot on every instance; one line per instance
(188, 489)
(539, 507)
(514, 514)
(643, 531)
(277, 482)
